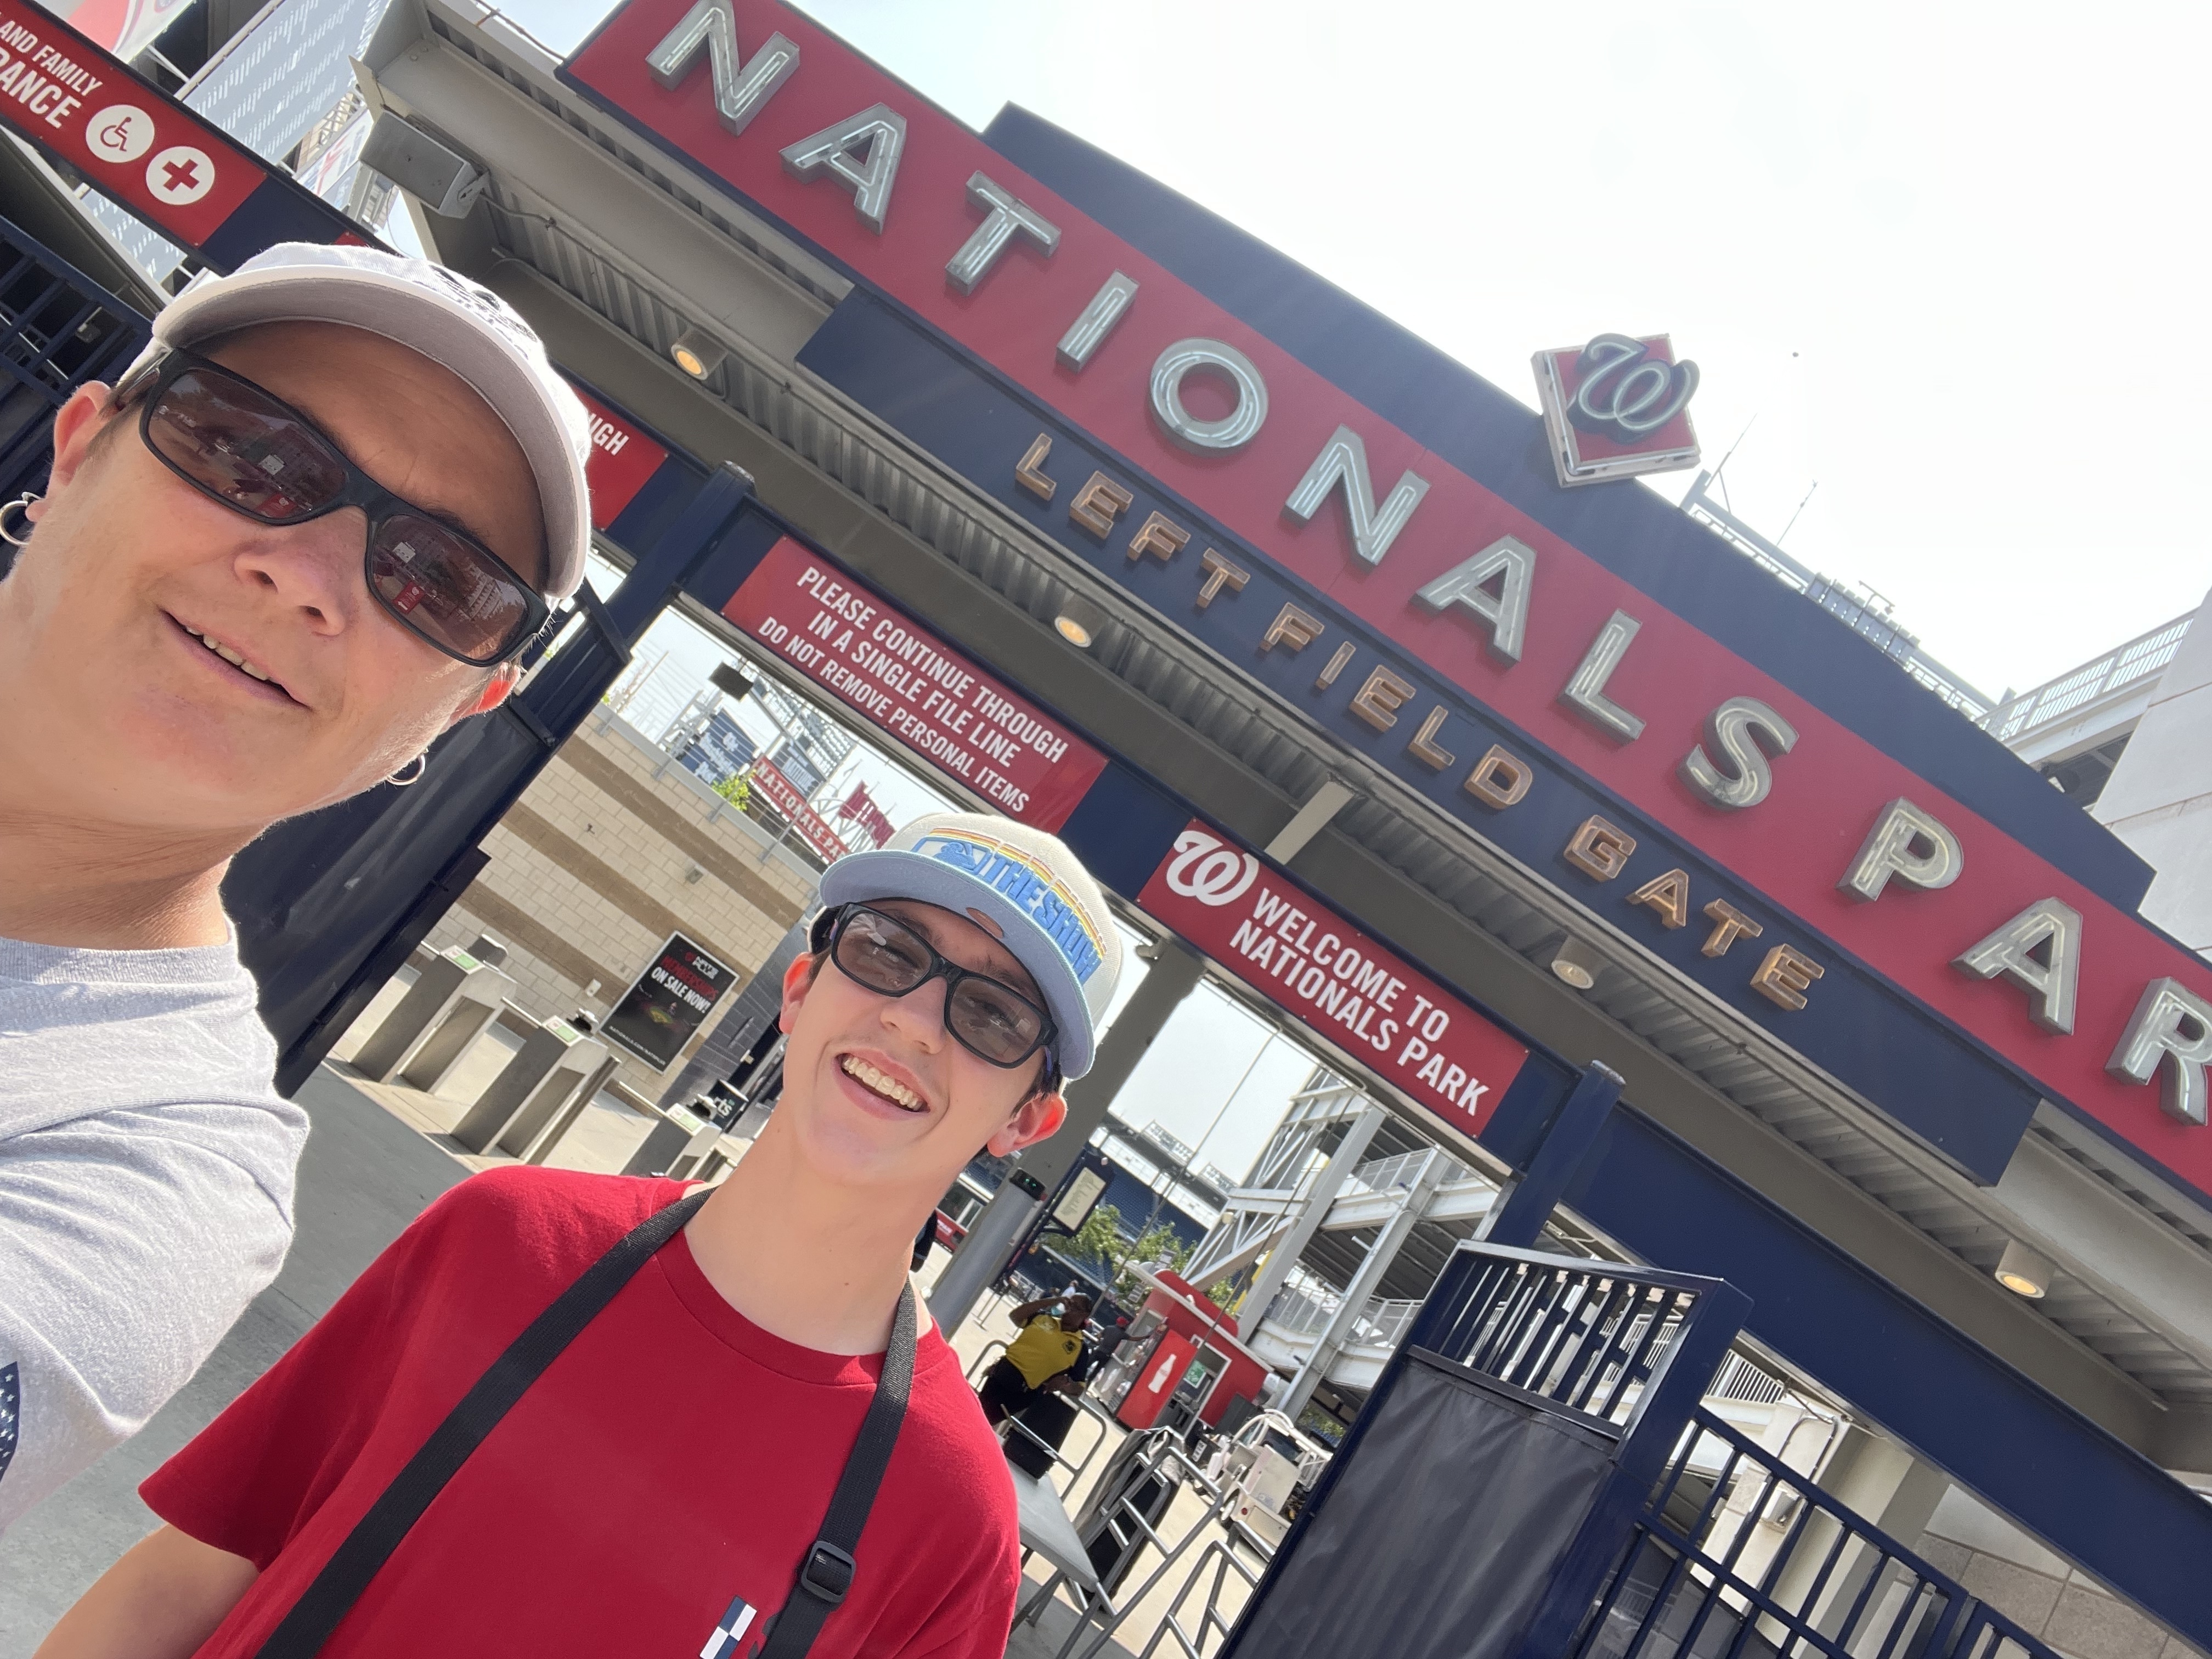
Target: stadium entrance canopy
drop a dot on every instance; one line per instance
(1400, 704)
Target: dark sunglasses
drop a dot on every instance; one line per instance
(249, 449)
(993, 1021)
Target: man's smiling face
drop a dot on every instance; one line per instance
(876, 1089)
(221, 674)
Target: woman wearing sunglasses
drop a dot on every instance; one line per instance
(570, 1415)
(310, 529)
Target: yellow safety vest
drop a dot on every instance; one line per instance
(1043, 1351)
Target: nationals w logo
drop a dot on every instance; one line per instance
(1626, 390)
(1206, 870)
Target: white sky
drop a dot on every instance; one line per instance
(1936, 258)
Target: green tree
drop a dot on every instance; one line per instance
(737, 789)
(1098, 1240)
(1101, 1242)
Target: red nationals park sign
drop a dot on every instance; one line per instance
(1394, 537)
(912, 686)
(784, 795)
(1354, 992)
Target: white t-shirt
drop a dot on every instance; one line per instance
(146, 1171)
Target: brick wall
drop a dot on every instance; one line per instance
(613, 848)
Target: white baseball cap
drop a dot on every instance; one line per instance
(1035, 892)
(446, 318)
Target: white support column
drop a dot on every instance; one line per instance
(1388, 1242)
(1312, 1210)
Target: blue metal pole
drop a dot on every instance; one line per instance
(1518, 1218)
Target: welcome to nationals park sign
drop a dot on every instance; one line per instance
(1468, 611)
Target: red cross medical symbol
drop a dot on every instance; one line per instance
(183, 175)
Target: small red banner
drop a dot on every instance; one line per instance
(782, 793)
(910, 685)
(1357, 993)
(621, 460)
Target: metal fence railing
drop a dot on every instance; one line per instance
(58, 329)
(2143, 658)
(1383, 1321)
(1579, 1334)
(1303, 1307)
(1400, 1171)
(1737, 1556)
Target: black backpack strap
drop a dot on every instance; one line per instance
(826, 1574)
(357, 1560)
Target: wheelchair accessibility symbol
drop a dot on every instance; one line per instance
(119, 133)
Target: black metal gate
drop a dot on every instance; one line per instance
(1736, 1555)
(58, 329)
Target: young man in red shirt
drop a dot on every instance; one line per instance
(659, 1487)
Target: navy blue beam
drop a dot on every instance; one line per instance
(1519, 1216)
(2082, 1489)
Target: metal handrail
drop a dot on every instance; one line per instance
(1222, 1554)
(1383, 1321)
(1085, 1407)
(1398, 1171)
(1165, 1451)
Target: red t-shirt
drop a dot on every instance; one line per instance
(659, 1483)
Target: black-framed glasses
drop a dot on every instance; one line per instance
(991, 1020)
(243, 446)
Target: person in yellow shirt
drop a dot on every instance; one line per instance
(1043, 1356)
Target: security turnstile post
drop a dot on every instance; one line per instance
(553, 1061)
(983, 1253)
(450, 1004)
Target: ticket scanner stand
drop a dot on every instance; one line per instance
(555, 1061)
(452, 1003)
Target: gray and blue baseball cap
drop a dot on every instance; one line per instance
(1030, 889)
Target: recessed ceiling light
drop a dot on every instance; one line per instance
(1577, 963)
(697, 354)
(1078, 622)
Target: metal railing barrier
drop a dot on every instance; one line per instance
(1735, 1554)
(58, 329)
(1580, 1335)
(1579, 1377)
(2143, 658)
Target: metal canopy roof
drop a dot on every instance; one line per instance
(1468, 897)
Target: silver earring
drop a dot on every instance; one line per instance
(22, 503)
(411, 773)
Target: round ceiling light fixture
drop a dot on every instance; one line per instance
(1577, 963)
(2024, 1271)
(697, 354)
(1078, 622)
